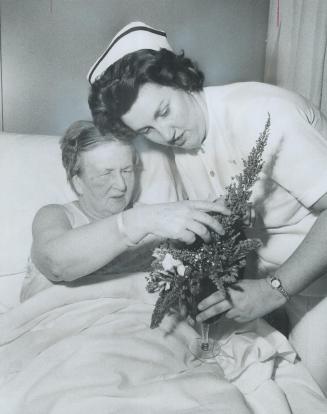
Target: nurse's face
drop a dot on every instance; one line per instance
(168, 116)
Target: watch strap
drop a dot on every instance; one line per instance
(276, 284)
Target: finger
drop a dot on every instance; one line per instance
(186, 236)
(214, 310)
(232, 314)
(214, 298)
(190, 321)
(199, 229)
(183, 311)
(218, 206)
(209, 221)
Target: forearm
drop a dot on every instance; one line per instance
(309, 261)
(83, 250)
(63, 253)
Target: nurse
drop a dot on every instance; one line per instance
(140, 86)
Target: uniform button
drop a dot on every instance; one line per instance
(212, 173)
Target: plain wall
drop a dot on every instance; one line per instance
(1, 111)
(48, 47)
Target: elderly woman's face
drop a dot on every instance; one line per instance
(168, 116)
(107, 179)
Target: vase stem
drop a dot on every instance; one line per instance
(204, 336)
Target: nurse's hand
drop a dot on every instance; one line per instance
(248, 300)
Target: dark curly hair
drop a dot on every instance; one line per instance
(115, 91)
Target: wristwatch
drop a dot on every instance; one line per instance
(276, 284)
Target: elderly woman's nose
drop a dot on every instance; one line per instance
(119, 181)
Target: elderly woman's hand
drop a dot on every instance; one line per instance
(184, 220)
(248, 300)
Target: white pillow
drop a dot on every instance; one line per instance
(31, 175)
(10, 287)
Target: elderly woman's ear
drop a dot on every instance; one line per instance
(77, 183)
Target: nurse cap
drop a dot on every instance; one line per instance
(135, 36)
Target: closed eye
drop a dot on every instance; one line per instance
(144, 131)
(164, 111)
(107, 172)
(128, 170)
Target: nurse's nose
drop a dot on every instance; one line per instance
(165, 131)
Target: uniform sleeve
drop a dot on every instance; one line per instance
(296, 153)
(159, 181)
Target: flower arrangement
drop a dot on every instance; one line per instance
(184, 275)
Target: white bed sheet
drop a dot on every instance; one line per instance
(89, 349)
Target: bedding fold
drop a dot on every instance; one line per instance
(89, 348)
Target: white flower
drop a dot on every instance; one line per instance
(181, 269)
(169, 263)
(164, 285)
(167, 286)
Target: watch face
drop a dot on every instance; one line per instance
(275, 283)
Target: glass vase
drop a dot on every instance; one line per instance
(204, 347)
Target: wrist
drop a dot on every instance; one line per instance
(277, 286)
(130, 227)
(123, 231)
(149, 218)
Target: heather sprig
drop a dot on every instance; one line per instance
(183, 275)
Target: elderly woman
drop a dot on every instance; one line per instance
(91, 234)
(140, 86)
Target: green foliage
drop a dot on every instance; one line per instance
(198, 270)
